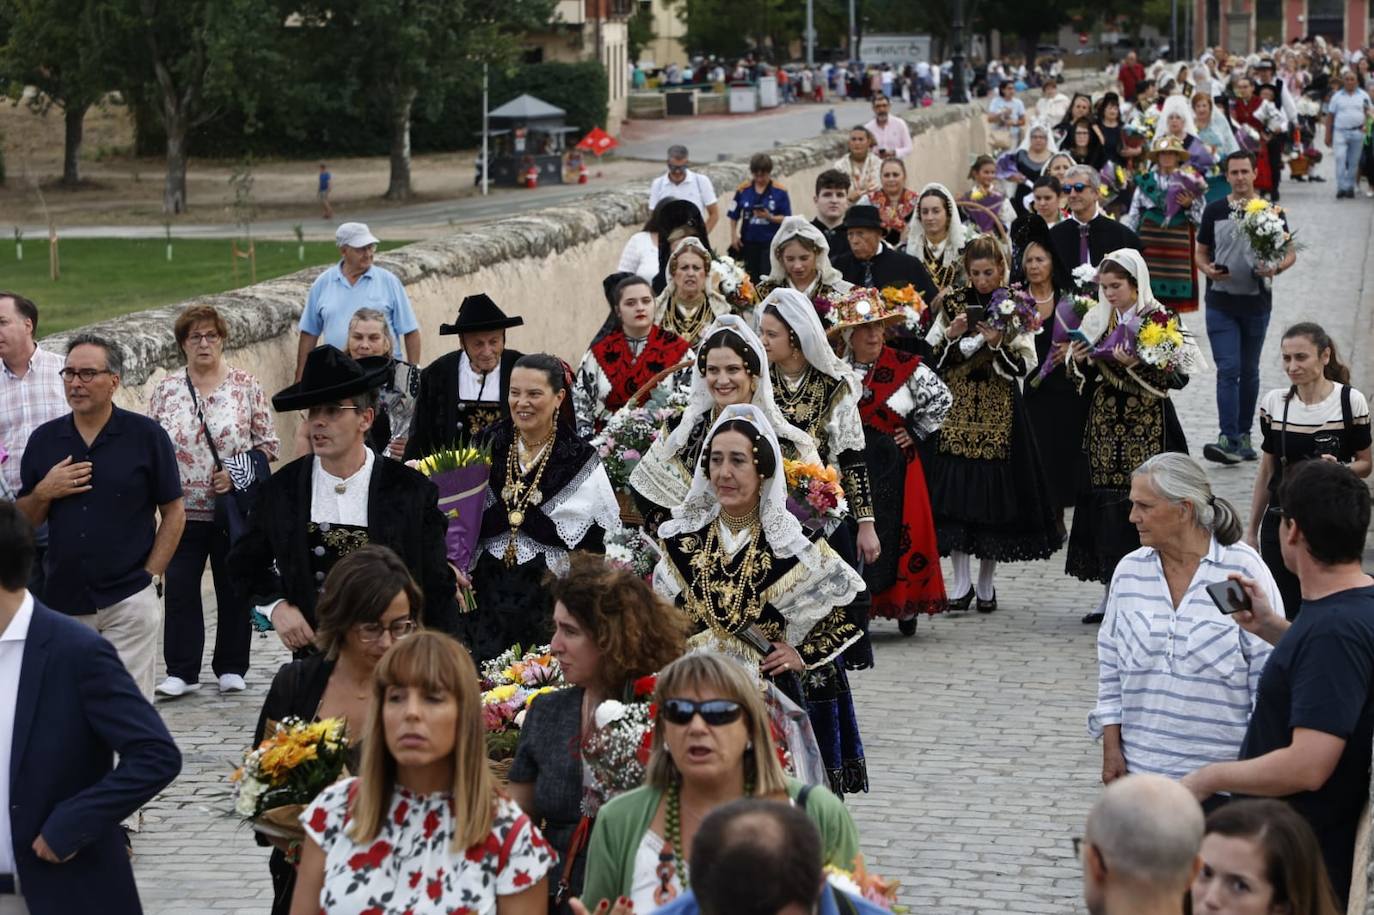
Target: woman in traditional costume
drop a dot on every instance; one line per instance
(800, 259)
(903, 403)
(688, 303)
(1130, 417)
(937, 237)
(730, 368)
(548, 495)
(984, 204)
(1167, 240)
(624, 360)
(986, 483)
(755, 586)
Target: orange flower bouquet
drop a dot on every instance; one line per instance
(288, 769)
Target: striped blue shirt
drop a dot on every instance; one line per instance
(1181, 683)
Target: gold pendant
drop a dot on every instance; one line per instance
(508, 493)
(535, 497)
(516, 517)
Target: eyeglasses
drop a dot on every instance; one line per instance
(372, 632)
(715, 712)
(330, 411)
(676, 169)
(196, 339)
(86, 375)
(1077, 187)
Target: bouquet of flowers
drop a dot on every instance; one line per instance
(624, 441)
(1202, 157)
(733, 282)
(1069, 313)
(1140, 129)
(1006, 166)
(1085, 279)
(461, 475)
(616, 752)
(288, 769)
(814, 494)
(909, 302)
(1273, 119)
(1185, 180)
(864, 885)
(1248, 138)
(630, 549)
(1013, 310)
(1262, 224)
(1115, 179)
(510, 682)
(1159, 342)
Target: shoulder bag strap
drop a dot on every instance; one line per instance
(1283, 433)
(579, 841)
(205, 427)
(1347, 411)
(802, 795)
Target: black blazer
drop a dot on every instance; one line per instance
(64, 783)
(272, 560)
(890, 268)
(1105, 235)
(438, 419)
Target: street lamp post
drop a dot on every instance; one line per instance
(958, 88)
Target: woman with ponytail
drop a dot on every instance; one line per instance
(1176, 679)
(1319, 415)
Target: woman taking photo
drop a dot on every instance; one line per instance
(369, 603)
(548, 495)
(1260, 855)
(937, 237)
(423, 825)
(711, 745)
(754, 585)
(1319, 416)
(1130, 418)
(731, 368)
(688, 303)
(218, 420)
(623, 361)
(1167, 240)
(986, 483)
(800, 259)
(903, 404)
(369, 336)
(894, 200)
(609, 629)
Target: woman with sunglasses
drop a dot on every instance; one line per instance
(711, 745)
(369, 603)
(754, 584)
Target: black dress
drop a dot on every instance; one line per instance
(1057, 413)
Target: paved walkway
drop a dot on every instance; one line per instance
(982, 770)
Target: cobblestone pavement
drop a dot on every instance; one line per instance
(981, 767)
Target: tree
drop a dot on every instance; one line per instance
(194, 54)
(56, 46)
(640, 29)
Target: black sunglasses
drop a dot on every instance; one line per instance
(1077, 187)
(715, 712)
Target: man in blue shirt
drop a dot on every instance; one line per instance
(353, 283)
(102, 478)
(326, 181)
(1347, 111)
(760, 207)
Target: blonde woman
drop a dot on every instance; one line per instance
(424, 824)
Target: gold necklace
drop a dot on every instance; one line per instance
(719, 598)
(737, 524)
(519, 496)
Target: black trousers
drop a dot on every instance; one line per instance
(184, 626)
(755, 257)
(1289, 587)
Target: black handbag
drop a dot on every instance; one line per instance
(232, 507)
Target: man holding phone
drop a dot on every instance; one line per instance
(761, 205)
(1239, 298)
(1309, 737)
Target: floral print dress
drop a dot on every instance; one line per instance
(410, 868)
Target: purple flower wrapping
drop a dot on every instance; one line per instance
(1121, 335)
(1066, 319)
(1181, 182)
(1006, 166)
(462, 493)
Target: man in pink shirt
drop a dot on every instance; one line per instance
(892, 134)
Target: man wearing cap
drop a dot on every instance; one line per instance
(873, 262)
(353, 283)
(464, 392)
(324, 505)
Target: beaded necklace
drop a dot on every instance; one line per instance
(670, 862)
(718, 597)
(737, 524)
(518, 496)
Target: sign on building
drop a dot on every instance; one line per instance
(894, 49)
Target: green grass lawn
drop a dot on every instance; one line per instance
(107, 277)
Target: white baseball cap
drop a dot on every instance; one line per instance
(354, 235)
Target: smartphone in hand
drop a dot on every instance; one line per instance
(976, 314)
(1229, 596)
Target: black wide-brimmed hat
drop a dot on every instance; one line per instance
(862, 216)
(478, 313)
(331, 375)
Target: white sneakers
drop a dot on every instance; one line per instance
(175, 686)
(231, 683)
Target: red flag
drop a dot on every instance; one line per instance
(597, 142)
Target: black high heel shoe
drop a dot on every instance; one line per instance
(907, 627)
(961, 604)
(989, 605)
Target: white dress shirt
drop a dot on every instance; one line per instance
(473, 385)
(328, 506)
(11, 660)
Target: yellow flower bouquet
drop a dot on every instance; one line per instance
(295, 762)
(814, 494)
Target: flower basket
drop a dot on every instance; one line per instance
(282, 823)
(629, 514)
(500, 770)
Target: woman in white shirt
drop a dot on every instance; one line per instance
(641, 251)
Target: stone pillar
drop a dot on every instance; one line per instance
(1200, 25)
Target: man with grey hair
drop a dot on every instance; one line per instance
(1140, 847)
(1088, 235)
(102, 478)
(681, 183)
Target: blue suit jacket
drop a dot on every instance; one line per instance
(64, 783)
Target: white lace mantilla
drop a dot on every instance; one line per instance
(587, 499)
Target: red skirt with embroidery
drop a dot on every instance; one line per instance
(912, 583)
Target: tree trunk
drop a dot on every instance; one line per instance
(75, 118)
(399, 188)
(174, 191)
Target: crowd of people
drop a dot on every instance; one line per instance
(858, 396)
